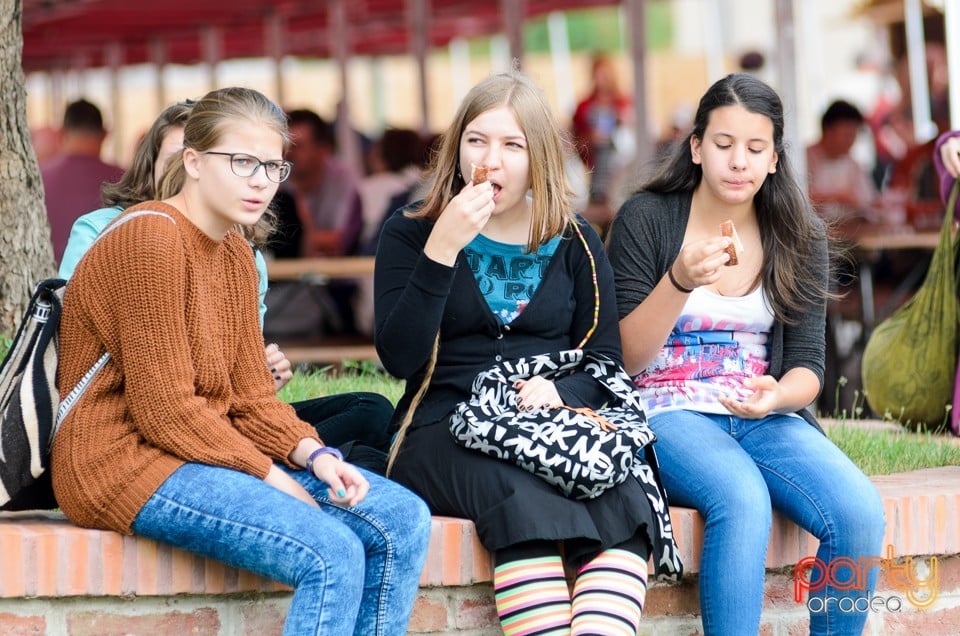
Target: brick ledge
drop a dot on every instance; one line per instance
(922, 511)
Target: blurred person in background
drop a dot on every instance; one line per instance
(72, 179)
(396, 168)
(840, 188)
(595, 123)
(319, 215)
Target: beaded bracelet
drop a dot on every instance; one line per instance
(323, 450)
(673, 280)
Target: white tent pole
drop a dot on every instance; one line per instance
(787, 71)
(562, 68)
(376, 94)
(713, 40)
(637, 15)
(499, 53)
(459, 68)
(951, 18)
(923, 126)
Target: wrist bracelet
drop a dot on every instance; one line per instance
(680, 288)
(323, 450)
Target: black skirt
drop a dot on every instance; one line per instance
(509, 506)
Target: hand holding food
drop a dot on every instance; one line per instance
(736, 246)
(478, 174)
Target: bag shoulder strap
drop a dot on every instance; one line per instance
(71, 399)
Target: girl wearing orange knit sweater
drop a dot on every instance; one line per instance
(179, 436)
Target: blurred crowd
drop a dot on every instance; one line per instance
(330, 208)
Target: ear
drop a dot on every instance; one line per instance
(773, 163)
(695, 144)
(191, 162)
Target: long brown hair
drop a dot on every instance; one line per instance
(552, 194)
(137, 184)
(789, 227)
(552, 209)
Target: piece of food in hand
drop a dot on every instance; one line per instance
(736, 246)
(478, 174)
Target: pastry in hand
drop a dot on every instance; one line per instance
(478, 174)
(736, 246)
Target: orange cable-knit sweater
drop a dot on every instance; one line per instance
(187, 379)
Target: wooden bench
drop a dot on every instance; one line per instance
(320, 271)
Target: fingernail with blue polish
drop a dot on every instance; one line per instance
(341, 492)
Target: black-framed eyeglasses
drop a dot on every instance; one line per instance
(244, 165)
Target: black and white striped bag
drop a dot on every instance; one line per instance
(30, 405)
(29, 401)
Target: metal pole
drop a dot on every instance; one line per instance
(513, 12)
(419, 11)
(274, 36)
(637, 16)
(114, 55)
(212, 53)
(158, 57)
(339, 35)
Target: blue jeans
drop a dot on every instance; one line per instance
(355, 570)
(733, 471)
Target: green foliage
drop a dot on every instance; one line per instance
(599, 29)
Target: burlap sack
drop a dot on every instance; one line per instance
(910, 361)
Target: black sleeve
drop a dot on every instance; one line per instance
(410, 293)
(581, 389)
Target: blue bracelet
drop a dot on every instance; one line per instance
(323, 450)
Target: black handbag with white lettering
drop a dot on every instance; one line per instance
(581, 451)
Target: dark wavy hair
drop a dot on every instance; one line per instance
(789, 227)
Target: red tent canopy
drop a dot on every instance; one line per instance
(63, 34)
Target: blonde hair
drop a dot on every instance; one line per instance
(552, 195)
(552, 208)
(203, 129)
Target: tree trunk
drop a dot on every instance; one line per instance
(26, 253)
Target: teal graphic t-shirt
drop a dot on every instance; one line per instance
(507, 274)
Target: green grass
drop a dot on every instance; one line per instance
(880, 452)
(353, 376)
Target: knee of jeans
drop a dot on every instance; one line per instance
(861, 516)
(417, 519)
(328, 558)
(745, 502)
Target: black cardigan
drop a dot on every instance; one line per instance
(415, 296)
(645, 239)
